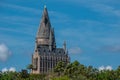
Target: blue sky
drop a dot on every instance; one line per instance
(91, 29)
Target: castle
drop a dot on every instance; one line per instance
(46, 54)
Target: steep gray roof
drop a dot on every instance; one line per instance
(46, 51)
(45, 26)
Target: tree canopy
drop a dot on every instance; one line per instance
(62, 71)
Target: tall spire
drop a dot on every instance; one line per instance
(45, 35)
(44, 28)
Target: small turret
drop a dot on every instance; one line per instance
(64, 46)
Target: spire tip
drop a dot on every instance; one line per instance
(45, 6)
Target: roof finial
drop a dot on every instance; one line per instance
(45, 6)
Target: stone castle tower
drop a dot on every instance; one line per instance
(46, 54)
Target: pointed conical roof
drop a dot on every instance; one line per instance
(45, 26)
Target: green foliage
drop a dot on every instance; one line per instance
(24, 74)
(77, 71)
(61, 78)
(30, 66)
(21, 76)
(8, 76)
(60, 68)
(37, 77)
(71, 71)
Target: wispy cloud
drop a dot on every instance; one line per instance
(75, 50)
(20, 8)
(4, 52)
(105, 7)
(24, 30)
(58, 17)
(20, 19)
(111, 49)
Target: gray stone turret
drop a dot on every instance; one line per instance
(64, 46)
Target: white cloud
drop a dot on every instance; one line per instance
(101, 68)
(109, 68)
(4, 52)
(11, 69)
(75, 50)
(4, 70)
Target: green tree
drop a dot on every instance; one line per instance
(60, 68)
(24, 74)
(61, 78)
(30, 67)
(37, 77)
